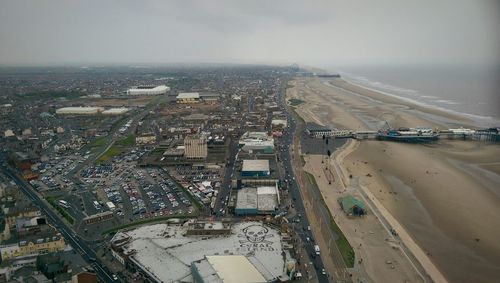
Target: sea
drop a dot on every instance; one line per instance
(473, 92)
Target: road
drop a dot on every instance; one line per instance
(293, 187)
(226, 182)
(76, 242)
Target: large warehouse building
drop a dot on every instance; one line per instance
(256, 141)
(79, 110)
(115, 111)
(148, 90)
(188, 97)
(255, 168)
(205, 251)
(257, 200)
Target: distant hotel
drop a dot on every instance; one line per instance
(148, 90)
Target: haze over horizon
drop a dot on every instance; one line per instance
(317, 33)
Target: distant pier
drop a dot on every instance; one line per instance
(410, 135)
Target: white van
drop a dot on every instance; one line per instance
(316, 249)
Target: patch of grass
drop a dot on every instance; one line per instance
(146, 221)
(342, 243)
(301, 120)
(53, 201)
(128, 141)
(113, 151)
(295, 102)
(302, 160)
(117, 148)
(99, 142)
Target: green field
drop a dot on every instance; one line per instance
(301, 120)
(343, 244)
(128, 141)
(295, 102)
(117, 148)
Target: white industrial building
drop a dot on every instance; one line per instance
(257, 200)
(226, 269)
(251, 141)
(115, 111)
(188, 97)
(79, 110)
(206, 252)
(148, 90)
(255, 167)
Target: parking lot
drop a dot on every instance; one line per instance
(138, 193)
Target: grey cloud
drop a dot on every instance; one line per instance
(310, 32)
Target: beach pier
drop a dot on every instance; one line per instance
(363, 135)
(484, 135)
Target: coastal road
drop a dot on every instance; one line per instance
(76, 242)
(301, 222)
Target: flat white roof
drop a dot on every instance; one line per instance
(166, 252)
(265, 190)
(79, 110)
(247, 198)
(235, 268)
(263, 199)
(255, 165)
(279, 122)
(188, 95)
(150, 88)
(115, 111)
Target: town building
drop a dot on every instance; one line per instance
(227, 269)
(188, 97)
(145, 138)
(45, 241)
(148, 90)
(99, 217)
(115, 111)
(195, 147)
(255, 168)
(317, 131)
(256, 141)
(257, 200)
(79, 110)
(213, 252)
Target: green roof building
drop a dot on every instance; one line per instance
(352, 206)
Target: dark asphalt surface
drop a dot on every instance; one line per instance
(293, 187)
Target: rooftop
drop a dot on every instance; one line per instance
(235, 268)
(188, 95)
(247, 198)
(166, 252)
(79, 110)
(115, 111)
(251, 165)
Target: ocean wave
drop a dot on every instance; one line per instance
(445, 101)
(483, 121)
(377, 84)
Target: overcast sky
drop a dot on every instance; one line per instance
(320, 33)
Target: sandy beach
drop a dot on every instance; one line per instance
(445, 196)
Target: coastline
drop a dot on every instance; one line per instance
(432, 203)
(472, 119)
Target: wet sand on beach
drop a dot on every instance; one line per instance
(446, 195)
